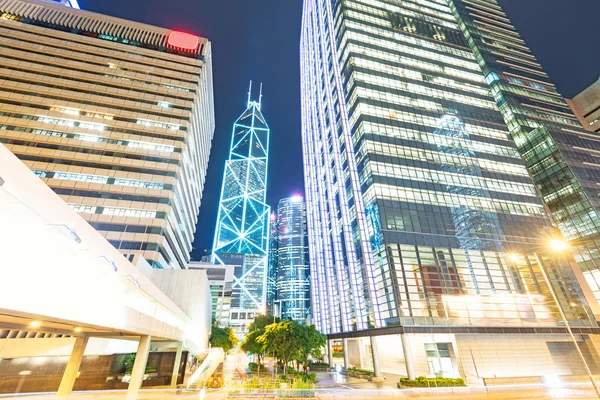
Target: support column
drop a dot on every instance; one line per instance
(68, 380)
(329, 352)
(346, 354)
(139, 367)
(375, 353)
(408, 361)
(177, 364)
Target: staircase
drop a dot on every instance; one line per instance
(207, 368)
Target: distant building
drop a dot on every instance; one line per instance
(289, 275)
(115, 116)
(220, 280)
(586, 106)
(242, 232)
(68, 3)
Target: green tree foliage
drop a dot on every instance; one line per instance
(308, 342)
(280, 339)
(255, 330)
(222, 337)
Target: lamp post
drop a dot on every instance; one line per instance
(559, 245)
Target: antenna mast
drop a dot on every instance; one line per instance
(260, 96)
(249, 93)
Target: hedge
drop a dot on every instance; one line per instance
(360, 371)
(421, 381)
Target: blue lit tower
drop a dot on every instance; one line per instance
(242, 232)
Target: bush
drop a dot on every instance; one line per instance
(254, 367)
(421, 381)
(360, 371)
(301, 376)
(338, 354)
(318, 364)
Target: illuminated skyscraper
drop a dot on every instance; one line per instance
(115, 116)
(242, 232)
(68, 3)
(288, 267)
(422, 215)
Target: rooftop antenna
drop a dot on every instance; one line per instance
(260, 96)
(249, 93)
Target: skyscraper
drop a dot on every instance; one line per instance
(115, 116)
(242, 232)
(422, 215)
(68, 3)
(561, 157)
(289, 269)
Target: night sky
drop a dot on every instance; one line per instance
(258, 40)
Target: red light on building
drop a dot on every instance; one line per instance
(183, 40)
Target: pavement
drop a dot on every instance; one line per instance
(335, 386)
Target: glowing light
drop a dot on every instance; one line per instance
(183, 40)
(35, 324)
(297, 198)
(558, 245)
(513, 257)
(78, 329)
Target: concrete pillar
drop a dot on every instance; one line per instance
(68, 380)
(177, 364)
(408, 361)
(139, 367)
(329, 352)
(346, 354)
(376, 368)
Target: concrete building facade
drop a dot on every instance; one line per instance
(586, 106)
(115, 116)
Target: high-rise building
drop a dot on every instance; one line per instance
(289, 271)
(559, 155)
(242, 231)
(68, 3)
(586, 106)
(116, 116)
(423, 219)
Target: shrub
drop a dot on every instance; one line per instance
(421, 381)
(254, 367)
(318, 364)
(360, 371)
(338, 354)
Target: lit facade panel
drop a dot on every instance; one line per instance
(289, 265)
(242, 231)
(118, 124)
(416, 193)
(559, 154)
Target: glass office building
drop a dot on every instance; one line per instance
(422, 215)
(115, 116)
(561, 157)
(289, 266)
(242, 232)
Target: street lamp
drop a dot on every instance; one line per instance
(558, 245)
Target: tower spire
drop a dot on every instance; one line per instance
(260, 96)
(249, 93)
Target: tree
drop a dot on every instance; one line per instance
(222, 337)
(309, 342)
(251, 345)
(281, 339)
(255, 330)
